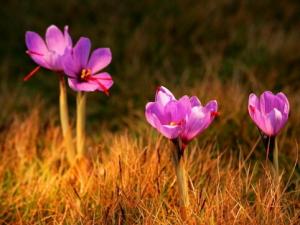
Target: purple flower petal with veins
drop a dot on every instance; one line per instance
(269, 112)
(184, 118)
(48, 54)
(83, 71)
(199, 119)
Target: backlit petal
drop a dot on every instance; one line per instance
(82, 86)
(163, 96)
(68, 39)
(104, 81)
(81, 52)
(55, 40)
(100, 58)
(195, 101)
(154, 108)
(37, 48)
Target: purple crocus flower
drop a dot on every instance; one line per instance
(49, 53)
(83, 70)
(184, 118)
(269, 112)
(198, 118)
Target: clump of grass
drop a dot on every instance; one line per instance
(128, 178)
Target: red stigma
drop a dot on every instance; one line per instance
(215, 114)
(105, 90)
(29, 52)
(28, 76)
(157, 88)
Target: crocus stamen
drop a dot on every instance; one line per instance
(172, 123)
(213, 114)
(28, 76)
(29, 52)
(85, 74)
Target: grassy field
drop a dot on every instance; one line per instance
(221, 50)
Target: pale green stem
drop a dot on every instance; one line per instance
(64, 120)
(80, 125)
(275, 158)
(179, 164)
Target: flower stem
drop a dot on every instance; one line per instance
(64, 119)
(80, 126)
(275, 158)
(179, 164)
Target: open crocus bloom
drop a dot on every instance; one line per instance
(269, 112)
(83, 71)
(184, 118)
(49, 53)
(198, 118)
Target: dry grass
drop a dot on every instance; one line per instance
(128, 178)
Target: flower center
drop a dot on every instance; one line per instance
(173, 123)
(85, 74)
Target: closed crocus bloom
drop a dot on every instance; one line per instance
(83, 69)
(269, 112)
(198, 119)
(49, 53)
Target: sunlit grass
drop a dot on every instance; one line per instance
(127, 177)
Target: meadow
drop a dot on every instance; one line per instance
(221, 50)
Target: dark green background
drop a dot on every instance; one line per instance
(153, 42)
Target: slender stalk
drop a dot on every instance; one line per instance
(179, 164)
(80, 125)
(64, 120)
(275, 159)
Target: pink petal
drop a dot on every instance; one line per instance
(197, 121)
(55, 40)
(103, 80)
(100, 58)
(163, 96)
(211, 106)
(185, 104)
(195, 101)
(285, 105)
(273, 123)
(37, 48)
(68, 39)
(169, 131)
(71, 68)
(176, 111)
(154, 108)
(81, 52)
(267, 100)
(82, 85)
(55, 61)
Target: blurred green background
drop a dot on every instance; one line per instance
(154, 42)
